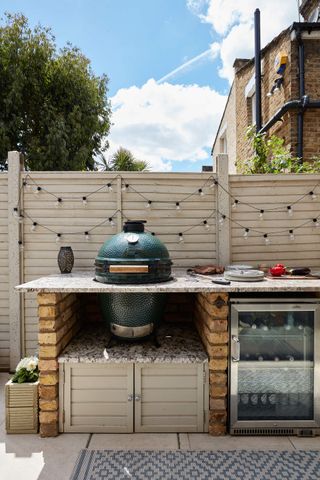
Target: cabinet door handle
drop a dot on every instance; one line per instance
(137, 398)
(130, 397)
(235, 349)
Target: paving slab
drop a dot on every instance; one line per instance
(199, 441)
(184, 441)
(308, 443)
(134, 441)
(33, 458)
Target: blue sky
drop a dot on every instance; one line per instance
(170, 124)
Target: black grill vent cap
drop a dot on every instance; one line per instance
(134, 226)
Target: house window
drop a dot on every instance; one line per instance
(253, 109)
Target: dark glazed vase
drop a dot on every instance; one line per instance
(65, 259)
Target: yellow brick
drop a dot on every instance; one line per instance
(48, 298)
(48, 378)
(49, 405)
(48, 351)
(48, 311)
(219, 364)
(48, 417)
(48, 365)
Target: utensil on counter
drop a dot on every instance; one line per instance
(218, 281)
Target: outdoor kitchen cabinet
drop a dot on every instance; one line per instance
(133, 397)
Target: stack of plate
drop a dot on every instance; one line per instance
(244, 275)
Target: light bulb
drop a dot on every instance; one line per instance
(261, 214)
(246, 234)
(16, 213)
(26, 185)
(58, 202)
(213, 184)
(313, 195)
(20, 218)
(111, 222)
(206, 225)
(269, 94)
(235, 203)
(125, 187)
(315, 222)
(148, 204)
(178, 206)
(109, 187)
(290, 210)
(84, 201)
(221, 219)
(181, 239)
(291, 235)
(201, 193)
(33, 226)
(87, 236)
(37, 190)
(266, 239)
(21, 246)
(58, 237)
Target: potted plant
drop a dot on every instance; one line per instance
(21, 397)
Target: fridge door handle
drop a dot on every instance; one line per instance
(235, 348)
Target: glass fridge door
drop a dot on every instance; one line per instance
(274, 356)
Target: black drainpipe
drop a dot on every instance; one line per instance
(257, 65)
(301, 95)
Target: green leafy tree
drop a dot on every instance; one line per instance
(52, 108)
(124, 160)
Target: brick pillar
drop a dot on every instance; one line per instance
(59, 320)
(211, 319)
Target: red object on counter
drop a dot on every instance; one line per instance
(278, 270)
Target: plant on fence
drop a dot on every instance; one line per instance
(53, 109)
(272, 156)
(26, 371)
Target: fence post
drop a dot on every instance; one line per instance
(15, 165)
(119, 205)
(223, 208)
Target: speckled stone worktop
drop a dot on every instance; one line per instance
(83, 282)
(178, 344)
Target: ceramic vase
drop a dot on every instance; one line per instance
(65, 259)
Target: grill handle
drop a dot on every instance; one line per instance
(235, 348)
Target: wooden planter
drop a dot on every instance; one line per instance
(21, 407)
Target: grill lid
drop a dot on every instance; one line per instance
(133, 256)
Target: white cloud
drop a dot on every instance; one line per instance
(232, 20)
(161, 123)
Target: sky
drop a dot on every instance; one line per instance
(169, 64)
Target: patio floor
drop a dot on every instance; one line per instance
(35, 458)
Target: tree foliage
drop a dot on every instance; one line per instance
(52, 108)
(124, 160)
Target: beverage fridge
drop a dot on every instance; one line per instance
(274, 378)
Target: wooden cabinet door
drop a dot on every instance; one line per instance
(170, 397)
(97, 398)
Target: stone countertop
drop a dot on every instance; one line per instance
(83, 282)
(178, 344)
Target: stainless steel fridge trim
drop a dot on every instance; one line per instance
(266, 300)
(234, 366)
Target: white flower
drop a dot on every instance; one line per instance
(29, 363)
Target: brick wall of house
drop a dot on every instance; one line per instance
(269, 105)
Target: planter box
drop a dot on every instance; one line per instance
(21, 407)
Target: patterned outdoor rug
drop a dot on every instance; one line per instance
(196, 465)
